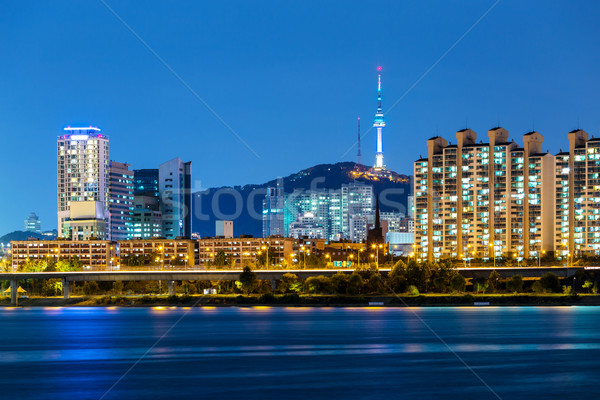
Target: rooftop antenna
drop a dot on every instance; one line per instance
(359, 156)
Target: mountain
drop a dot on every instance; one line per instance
(243, 204)
(22, 235)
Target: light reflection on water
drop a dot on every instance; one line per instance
(263, 352)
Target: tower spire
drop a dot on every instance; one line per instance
(379, 123)
(359, 156)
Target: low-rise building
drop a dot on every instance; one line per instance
(278, 249)
(159, 252)
(94, 254)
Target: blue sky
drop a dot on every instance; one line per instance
(290, 78)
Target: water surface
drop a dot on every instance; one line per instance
(300, 353)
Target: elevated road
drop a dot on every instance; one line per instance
(272, 275)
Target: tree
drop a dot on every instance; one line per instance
(515, 284)
(289, 283)
(458, 283)
(397, 277)
(493, 281)
(355, 284)
(90, 288)
(220, 259)
(33, 266)
(418, 275)
(481, 285)
(318, 284)
(66, 265)
(339, 283)
(248, 279)
(550, 283)
(118, 287)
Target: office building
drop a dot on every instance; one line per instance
(120, 203)
(145, 182)
(33, 224)
(175, 188)
(82, 170)
(484, 200)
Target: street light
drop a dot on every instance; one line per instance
(540, 258)
(493, 246)
(358, 256)
(267, 254)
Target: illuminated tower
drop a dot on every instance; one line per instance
(82, 171)
(379, 124)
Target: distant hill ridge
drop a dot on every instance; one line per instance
(322, 176)
(23, 235)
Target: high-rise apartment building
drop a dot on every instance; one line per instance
(577, 213)
(82, 170)
(357, 201)
(120, 203)
(484, 199)
(273, 213)
(332, 210)
(175, 188)
(33, 224)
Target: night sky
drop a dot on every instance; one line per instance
(290, 78)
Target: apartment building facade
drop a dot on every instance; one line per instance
(484, 200)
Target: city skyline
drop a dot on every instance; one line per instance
(105, 77)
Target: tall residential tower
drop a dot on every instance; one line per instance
(82, 170)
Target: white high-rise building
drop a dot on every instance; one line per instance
(82, 170)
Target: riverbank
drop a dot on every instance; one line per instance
(430, 300)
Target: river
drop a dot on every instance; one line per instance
(300, 353)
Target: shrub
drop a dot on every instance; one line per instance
(90, 288)
(318, 285)
(537, 287)
(413, 291)
(567, 290)
(173, 299)
(267, 298)
(355, 284)
(458, 283)
(550, 283)
(515, 284)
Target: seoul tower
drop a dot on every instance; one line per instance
(379, 124)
